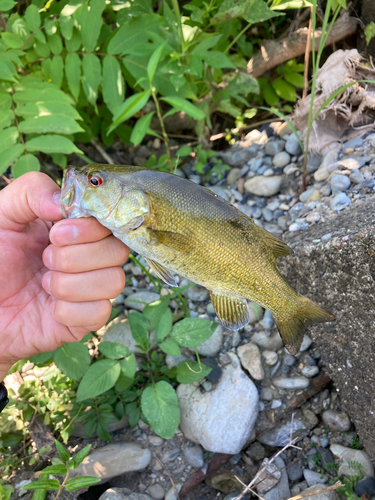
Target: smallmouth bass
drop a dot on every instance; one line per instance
(182, 228)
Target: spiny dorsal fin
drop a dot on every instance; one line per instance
(232, 313)
(163, 273)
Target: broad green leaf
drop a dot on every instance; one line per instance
(295, 79)
(73, 359)
(291, 4)
(12, 40)
(138, 326)
(51, 144)
(43, 484)
(206, 44)
(8, 156)
(73, 73)
(155, 310)
(42, 48)
(102, 431)
(191, 332)
(32, 17)
(217, 59)
(91, 22)
(5, 73)
(6, 118)
(62, 451)
(140, 129)
(74, 42)
(39, 495)
(129, 366)
(55, 43)
(5, 101)
(113, 84)
(41, 95)
(184, 151)
(270, 96)
(58, 124)
(6, 5)
(133, 411)
(27, 163)
(170, 346)
(183, 105)
(154, 61)
(36, 109)
(164, 325)
(113, 350)
(285, 90)
(160, 407)
(80, 456)
(189, 372)
(131, 33)
(66, 26)
(42, 357)
(59, 470)
(81, 482)
(131, 106)
(92, 76)
(8, 137)
(100, 377)
(370, 32)
(123, 383)
(253, 11)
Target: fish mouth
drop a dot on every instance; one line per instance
(72, 191)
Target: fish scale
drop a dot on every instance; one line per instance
(182, 228)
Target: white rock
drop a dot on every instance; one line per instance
(268, 477)
(281, 491)
(264, 186)
(255, 312)
(273, 342)
(270, 357)
(291, 383)
(113, 460)
(171, 493)
(349, 455)
(139, 300)
(115, 494)
(220, 420)
(250, 357)
(327, 495)
(323, 173)
(313, 477)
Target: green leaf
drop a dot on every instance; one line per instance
(51, 123)
(59, 470)
(154, 61)
(6, 118)
(140, 129)
(370, 32)
(170, 346)
(183, 105)
(51, 144)
(12, 40)
(270, 96)
(253, 11)
(5, 101)
(80, 456)
(113, 84)
(284, 90)
(160, 407)
(50, 93)
(35, 109)
(164, 325)
(74, 43)
(131, 106)
(43, 484)
(102, 431)
(8, 137)
(100, 377)
(32, 17)
(77, 483)
(62, 451)
(131, 33)
(39, 495)
(155, 310)
(206, 44)
(123, 383)
(217, 59)
(5, 73)
(191, 332)
(129, 366)
(184, 151)
(73, 73)
(91, 22)
(66, 26)
(6, 5)
(113, 350)
(291, 4)
(139, 327)
(55, 43)
(73, 359)
(92, 76)
(27, 163)
(8, 156)
(295, 79)
(189, 372)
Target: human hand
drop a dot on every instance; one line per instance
(51, 292)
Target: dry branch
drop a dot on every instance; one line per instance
(275, 52)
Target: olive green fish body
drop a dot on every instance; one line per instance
(185, 229)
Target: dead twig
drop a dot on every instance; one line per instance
(317, 492)
(307, 57)
(8, 181)
(100, 150)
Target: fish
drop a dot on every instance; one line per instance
(184, 229)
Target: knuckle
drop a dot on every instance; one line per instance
(60, 287)
(117, 280)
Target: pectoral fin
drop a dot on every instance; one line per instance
(177, 241)
(232, 313)
(163, 273)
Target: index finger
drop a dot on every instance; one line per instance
(75, 231)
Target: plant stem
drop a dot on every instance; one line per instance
(62, 486)
(177, 13)
(307, 57)
(237, 37)
(165, 135)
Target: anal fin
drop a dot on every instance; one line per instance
(232, 313)
(163, 273)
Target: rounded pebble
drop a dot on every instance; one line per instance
(198, 293)
(282, 159)
(339, 202)
(268, 321)
(310, 371)
(292, 145)
(194, 456)
(339, 183)
(338, 421)
(156, 491)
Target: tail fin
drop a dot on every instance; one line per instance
(291, 330)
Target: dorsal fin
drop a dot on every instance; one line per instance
(233, 313)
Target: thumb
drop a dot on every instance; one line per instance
(28, 198)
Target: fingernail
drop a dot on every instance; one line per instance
(47, 257)
(64, 234)
(47, 282)
(56, 197)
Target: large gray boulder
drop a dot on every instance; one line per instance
(339, 274)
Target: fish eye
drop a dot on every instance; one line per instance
(95, 180)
